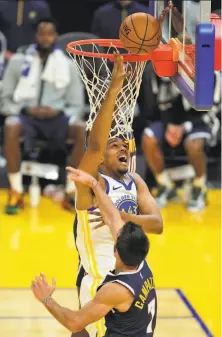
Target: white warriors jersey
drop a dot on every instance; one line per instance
(96, 246)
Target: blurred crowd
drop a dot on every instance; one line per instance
(43, 105)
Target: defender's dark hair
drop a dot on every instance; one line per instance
(47, 20)
(132, 244)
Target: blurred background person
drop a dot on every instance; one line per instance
(43, 97)
(107, 18)
(176, 123)
(18, 19)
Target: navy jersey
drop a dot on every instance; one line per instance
(140, 319)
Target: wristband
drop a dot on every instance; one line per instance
(94, 184)
(47, 300)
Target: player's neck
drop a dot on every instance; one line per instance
(125, 269)
(114, 175)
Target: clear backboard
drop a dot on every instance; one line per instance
(189, 28)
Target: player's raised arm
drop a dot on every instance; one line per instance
(109, 212)
(100, 132)
(107, 298)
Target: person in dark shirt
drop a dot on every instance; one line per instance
(127, 297)
(107, 18)
(175, 122)
(18, 19)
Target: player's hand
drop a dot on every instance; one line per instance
(40, 287)
(118, 75)
(81, 177)
(98, 219)
(174, 134)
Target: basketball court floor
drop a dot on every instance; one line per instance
(185, 260)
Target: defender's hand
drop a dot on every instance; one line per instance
(40, 287)
(98, 219)
(118, 75)
(81, 177)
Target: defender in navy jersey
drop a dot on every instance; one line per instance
(127, 297)
(140, 319)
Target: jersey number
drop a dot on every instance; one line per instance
(151, 310)
(131, 210)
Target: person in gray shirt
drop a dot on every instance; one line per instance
(43, 97)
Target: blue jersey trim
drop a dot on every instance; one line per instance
(127, 187)
(130, 272)
(107, 192)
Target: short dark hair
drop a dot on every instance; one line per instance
(47, 20)
(132, 244)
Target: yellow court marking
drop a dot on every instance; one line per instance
(186, 256)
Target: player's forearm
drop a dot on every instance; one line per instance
(150, 223)
(110, 214)
(63, 315)
(100, 131)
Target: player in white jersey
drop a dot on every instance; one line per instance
(124, 195)
(108, 162)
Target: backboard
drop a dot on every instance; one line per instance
(193, 33)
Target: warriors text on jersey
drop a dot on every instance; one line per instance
(95, 247)
(140, 319)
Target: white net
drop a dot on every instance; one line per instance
(96, 73)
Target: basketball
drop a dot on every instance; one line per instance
(140, 33)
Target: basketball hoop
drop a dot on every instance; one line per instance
(93, 60)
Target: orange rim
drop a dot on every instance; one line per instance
(71, 48)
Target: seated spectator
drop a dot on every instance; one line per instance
(177, 123)
(18, 19)
(44, 98)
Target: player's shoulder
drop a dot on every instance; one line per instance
(114, 292)
(102, 181)
(140, 183)
(137, 178)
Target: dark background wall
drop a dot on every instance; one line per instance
(76, 15)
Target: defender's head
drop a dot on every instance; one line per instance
(132, 246)
(46, 34)
(116, 156)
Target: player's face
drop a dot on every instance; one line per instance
(46, 36)
(116, 156)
